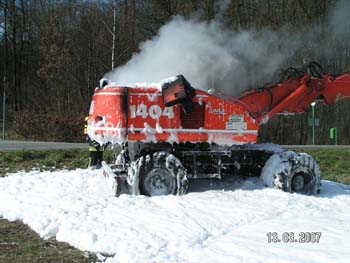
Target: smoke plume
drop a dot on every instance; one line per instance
(210, 56)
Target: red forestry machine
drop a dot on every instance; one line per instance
(173, 133)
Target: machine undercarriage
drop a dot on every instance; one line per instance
(161, 169)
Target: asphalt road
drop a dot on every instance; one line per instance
(6, 146)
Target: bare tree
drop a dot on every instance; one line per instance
(114, 33)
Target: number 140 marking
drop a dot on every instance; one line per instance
(154, 111)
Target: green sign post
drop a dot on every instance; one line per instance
(333, 135)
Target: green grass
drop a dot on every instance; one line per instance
(45, 160)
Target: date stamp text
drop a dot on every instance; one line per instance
(291, 237)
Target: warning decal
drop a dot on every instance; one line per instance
(236, 125)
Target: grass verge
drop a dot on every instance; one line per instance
(25, 160)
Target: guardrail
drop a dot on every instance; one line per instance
(7, 145)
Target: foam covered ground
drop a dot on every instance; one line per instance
(224, 221)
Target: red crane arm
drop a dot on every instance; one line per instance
(295, 95)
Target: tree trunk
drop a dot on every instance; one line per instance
(14, 56)
(114, 33)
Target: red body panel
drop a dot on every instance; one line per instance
(215, 119)
(120, 114)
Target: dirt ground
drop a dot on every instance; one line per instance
(19, 244)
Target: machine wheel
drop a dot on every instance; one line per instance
(292, 172)
(161, 174)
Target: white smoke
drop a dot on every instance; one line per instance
(328, 39)
(339, 19)
(210, 56)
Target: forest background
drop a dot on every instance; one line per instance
(53, 54)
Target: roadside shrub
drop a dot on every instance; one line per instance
(49, 126)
